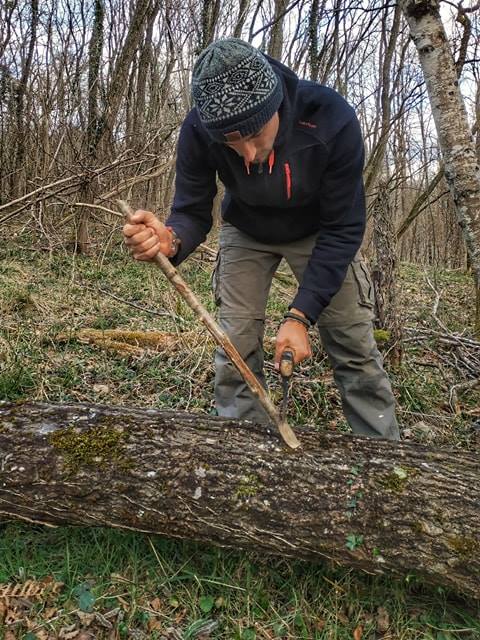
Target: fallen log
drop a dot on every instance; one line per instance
(371, 504)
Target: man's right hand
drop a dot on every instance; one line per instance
(146, 236)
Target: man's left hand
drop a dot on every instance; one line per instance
(292, 335)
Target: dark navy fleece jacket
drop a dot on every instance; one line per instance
(315, 186)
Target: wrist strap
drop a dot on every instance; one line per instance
(290, 315)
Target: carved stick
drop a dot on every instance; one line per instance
(220, 338)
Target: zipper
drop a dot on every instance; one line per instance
(271, 161)
(288, 180)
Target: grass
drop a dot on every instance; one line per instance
(156, 588)
(183, 585)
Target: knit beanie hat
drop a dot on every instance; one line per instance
(235, 89)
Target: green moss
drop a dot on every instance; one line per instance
(398, 479)
(248, 487)
(381, 335)
(100, 446)
(465, 547)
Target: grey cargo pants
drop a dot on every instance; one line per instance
(242, 282)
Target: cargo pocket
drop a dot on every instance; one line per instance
(366, 296)
(215, 280)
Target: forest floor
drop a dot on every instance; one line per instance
(100, 583)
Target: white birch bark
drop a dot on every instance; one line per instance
(448, 108)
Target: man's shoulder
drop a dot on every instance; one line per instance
(192, 134)
(321, 110)
(192, 123)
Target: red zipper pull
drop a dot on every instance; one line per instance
(271, 160)
(288, 180)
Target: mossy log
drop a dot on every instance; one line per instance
(374, 505)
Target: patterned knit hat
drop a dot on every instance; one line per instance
(235, 89)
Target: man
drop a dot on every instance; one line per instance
(290, 154)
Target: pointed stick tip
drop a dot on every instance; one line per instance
(287, 434)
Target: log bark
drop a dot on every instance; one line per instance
(375, 505)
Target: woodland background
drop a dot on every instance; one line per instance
(92, 95)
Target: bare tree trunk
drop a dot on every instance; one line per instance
(20, 102)
(92, 134)
(477, 120)
(164, 87)
(118, 84)
(275, 43)
(376, 160)
(210, 12)
(95, 58)
(145, 60)
(461, 168)
(329, 50)
(6, 24)
(372, 504)
(242, 15)
(313, 61)
(384, 273)
(100, 128)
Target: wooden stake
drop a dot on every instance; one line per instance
(220, 338)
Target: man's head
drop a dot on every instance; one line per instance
(237, 95)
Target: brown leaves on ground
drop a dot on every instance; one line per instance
(30, 589)
(17, 601)
(358, 633)
(19, 614)
(383, 620)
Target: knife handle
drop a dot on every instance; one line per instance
(287, 363)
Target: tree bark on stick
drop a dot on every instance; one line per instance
(371, 504)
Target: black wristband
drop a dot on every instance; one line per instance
(290, 315)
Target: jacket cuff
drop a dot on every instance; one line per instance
(305, 302)
(185, 249)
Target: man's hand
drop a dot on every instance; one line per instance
(293, 335)
(146, 236)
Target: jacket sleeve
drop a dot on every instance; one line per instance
(343, 216)
(195, 189)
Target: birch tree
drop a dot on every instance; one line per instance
(454, 136)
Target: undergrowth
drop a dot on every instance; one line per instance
(158, 588)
